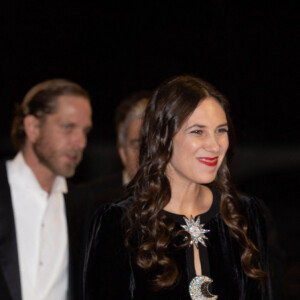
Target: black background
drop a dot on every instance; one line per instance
(248, 50)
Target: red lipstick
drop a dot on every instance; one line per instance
(208, 161)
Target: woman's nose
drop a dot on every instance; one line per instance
(212, 144)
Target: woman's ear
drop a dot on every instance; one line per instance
(32, 128)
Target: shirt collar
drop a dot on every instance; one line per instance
(59, 185)
(125, 177)
(22, 171)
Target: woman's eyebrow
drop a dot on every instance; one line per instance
(223, 125)
(203, 126)
(196, 125)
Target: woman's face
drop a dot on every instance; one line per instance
(200, 145)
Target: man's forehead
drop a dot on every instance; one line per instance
(72, 107)
(66, 99)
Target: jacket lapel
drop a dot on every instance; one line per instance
(73, 244)
(8, 243)
(79, 208)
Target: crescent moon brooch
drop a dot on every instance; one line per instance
(196, 230)
(199, 289)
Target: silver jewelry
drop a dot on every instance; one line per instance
(196, 230)
(199, 288)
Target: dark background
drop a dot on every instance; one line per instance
(247, 49)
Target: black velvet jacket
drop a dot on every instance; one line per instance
(111, 273)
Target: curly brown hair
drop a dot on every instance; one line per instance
(150, 232)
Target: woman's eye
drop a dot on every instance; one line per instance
(222, 130)
(199, 132)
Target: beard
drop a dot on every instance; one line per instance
(51, 158)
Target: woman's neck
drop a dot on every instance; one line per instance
(189, 200)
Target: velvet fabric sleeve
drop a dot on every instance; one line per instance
(262, 229)
(107, 271)
(230, 282)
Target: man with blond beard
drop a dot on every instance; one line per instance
(42, 219)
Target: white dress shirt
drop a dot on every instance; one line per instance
(41, 229)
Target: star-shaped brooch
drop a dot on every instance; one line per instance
(196, 230)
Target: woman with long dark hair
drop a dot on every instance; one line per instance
(183, 232)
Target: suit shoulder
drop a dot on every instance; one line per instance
(3, 171)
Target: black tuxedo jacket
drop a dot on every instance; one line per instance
(79, 208)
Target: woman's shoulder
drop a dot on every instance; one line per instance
(114, 211)
(252, 205)
(257, 213)
(108, 220)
